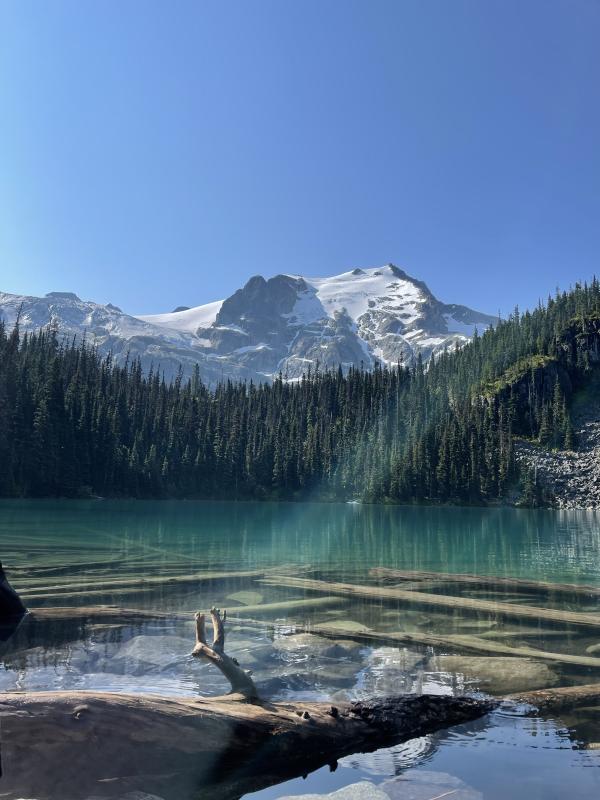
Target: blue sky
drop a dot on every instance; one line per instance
(160, 153)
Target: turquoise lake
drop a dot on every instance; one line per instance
(257, 559)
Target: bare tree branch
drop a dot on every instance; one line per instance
(241, 682)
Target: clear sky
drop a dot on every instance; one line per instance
(160, 153)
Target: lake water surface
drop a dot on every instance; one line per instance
(86, 553)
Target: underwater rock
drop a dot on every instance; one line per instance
(392, 760)
(252, 652)
(246, 598)
(143, 652)
(390, 670)
(309, 675)
(317, 646)
(498, 675)
(417, 784)
(365, 790)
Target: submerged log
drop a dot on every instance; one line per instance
(448, 602)
(76, 744)
(456, 643)
(300, 604)
(560, 698)
(40, 622)
(194, 579)
(510, 584)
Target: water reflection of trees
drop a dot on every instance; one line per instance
(559, 545)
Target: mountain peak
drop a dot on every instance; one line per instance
(63, 296)
(286, 323)
(363, 316)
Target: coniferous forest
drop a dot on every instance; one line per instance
(74, 424)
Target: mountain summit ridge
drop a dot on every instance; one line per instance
(285, 324)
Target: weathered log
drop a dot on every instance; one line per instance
(194, 579)
(454, 642)
(36, 597)
(559, 698)
(510, 584)
(69, 744)
(469, 604)
(117, 615)
(99, 613)
(300, 604)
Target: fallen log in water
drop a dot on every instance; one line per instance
(455, 643)
(510, 584)
(194, 579)
(448, 602)
(299, 604)
(76, 744)
(73, 745)
(62, 624)
(130, 616)
(559, 698)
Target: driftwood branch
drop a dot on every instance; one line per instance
(241, 682)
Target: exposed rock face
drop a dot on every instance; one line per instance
(571, 477)
(287, 324)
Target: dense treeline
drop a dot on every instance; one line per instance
(73, 423)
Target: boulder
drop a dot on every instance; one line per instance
(390, 670)
(417, 784)
(365, 790)
(313, 646)
(497, 675)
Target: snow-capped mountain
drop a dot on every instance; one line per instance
(289, 322)
(285, 324)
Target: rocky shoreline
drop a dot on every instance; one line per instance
(570, 477)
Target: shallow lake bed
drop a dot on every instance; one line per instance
(321, 643)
